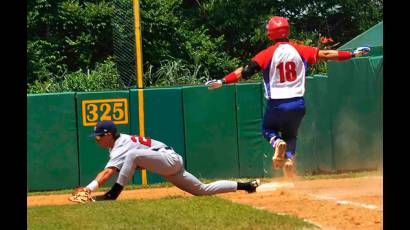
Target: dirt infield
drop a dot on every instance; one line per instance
(349, 203)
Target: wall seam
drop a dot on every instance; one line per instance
(78, 139)
(237, 129)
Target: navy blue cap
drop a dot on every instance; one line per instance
(104, 127)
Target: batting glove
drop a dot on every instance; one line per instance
(214, 84)
(360, 51)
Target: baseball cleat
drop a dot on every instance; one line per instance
(253, 185)
(279, 155)
(289, 168)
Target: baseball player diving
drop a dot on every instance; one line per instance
(128, 153)
(284, 66)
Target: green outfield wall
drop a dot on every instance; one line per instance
(356, 105)
(249, 118)
(52, 147)
(314, 151)
(218, 132)
(210, 124)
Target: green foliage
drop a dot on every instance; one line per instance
(103, 77)
(44, 60)
(340, 19)
(66, 35)
(176, 72)
(210, 38)
(242, 23)
(168, 33)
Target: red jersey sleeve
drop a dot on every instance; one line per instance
(263, 58)
(309, 53)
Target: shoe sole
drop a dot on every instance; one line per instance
(279, 155)
(257, 182)
(289, 169)
(280, 150)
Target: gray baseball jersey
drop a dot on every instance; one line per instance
(126, 143)
(134, 152)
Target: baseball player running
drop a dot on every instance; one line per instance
(129, 152)
(284, 66)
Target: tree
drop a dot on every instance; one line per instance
(207, 38)
(66, 35)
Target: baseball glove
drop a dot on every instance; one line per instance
(81, 195)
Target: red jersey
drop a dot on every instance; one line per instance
(284, 66)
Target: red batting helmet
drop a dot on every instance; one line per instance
(277, 28)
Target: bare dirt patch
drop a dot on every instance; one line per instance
(349, 203)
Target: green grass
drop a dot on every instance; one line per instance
(208, 212)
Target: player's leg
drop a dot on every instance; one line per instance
(163, 162)
(295, 117)
(271, 128)
(271, 122)
(291, 128)
(293, 113)
(189, 183)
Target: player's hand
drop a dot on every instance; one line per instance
(361, 51)
(81, 195)
(214, 84)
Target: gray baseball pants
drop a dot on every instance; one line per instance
(169, 164)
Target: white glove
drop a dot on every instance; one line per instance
(360, 51)
(214, 84)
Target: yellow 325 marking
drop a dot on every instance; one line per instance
(105, 109)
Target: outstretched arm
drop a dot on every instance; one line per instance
(232, 77)
(330, 54)
(245, 72)
(338, 55)
(101, 178)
